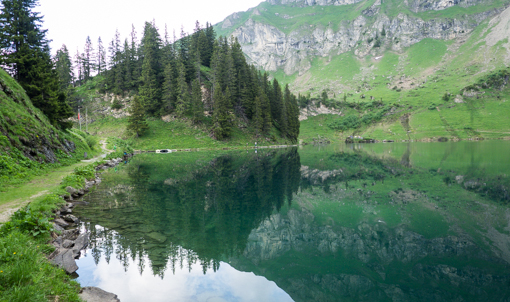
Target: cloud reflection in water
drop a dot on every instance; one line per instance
(226, 284)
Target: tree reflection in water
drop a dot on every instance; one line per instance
(202, 217)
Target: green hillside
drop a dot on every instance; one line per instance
(413, 78)
(29, 144)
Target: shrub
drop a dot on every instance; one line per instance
(116, 104)
(33, 223)
(91, 141)
(87, 172)
(75, 181)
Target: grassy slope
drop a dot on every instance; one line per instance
(25, 273)
(429, 69)
(178, 134)
(25, 129)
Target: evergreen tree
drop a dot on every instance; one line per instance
(186, 57)
(265, 108)
(182, 100)
(137, 123)
(21, 36)
(216, 65)
(258, 121)
(293, 116)
(127, 66)
(208, 47)
(134, 59)
(88, 59)
(150, 86)
(277, 107)
(119, 84)
(170, 80)
(78, 66)
(324, 96)
(100, 57)
(197, 106)
(221, 116)
(25, 54)
(64, 68)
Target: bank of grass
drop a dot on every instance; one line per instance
(17, 170)
(178, 134)
(25, 272)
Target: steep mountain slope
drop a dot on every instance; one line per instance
(291, 35)
(27, 139)
(407, 54)
(25, 128)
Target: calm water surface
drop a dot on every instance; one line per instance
(373, 222)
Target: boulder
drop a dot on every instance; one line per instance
(57, 242)
(94, 294)
(71, 234)
(71, 218)
(57, 227)
(67, 244)
(157, 236)
(65, 260)
(65, 210)
(71, 190)
(80, 243)
(61, 222)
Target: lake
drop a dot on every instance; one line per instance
(361, 222)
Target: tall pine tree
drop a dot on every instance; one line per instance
(150, 86)
(26, 55)
(137, 123)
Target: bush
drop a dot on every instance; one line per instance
(91, 141)
(75, 181)
(47, 204)
(88, 172)
(33, 223)
(116, 104)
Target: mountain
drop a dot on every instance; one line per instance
(332, 44)
(413, 60)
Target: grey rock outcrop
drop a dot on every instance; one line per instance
(94, 294)
(65, 260)
(273, 48)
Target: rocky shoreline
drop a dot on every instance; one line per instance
(70, 242)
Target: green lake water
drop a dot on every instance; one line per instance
(364, 222)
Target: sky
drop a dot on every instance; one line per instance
(69, 22)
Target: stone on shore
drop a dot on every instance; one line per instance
(65, 260)
(94, 294)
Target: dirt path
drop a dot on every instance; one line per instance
(20, 196)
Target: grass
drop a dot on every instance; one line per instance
(179, 134)
(25, 272)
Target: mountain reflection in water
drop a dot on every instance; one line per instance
(353, 223)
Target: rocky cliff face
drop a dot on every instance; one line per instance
(370, 33)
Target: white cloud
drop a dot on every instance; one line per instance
(71, 21)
